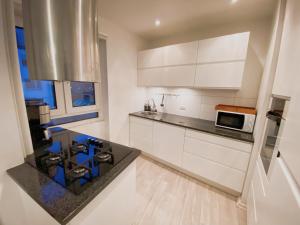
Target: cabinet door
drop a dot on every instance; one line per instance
(173, 76)
(151, 77)
(226, 48)
(220, 75)
(150, 58)
(168, 142)
(179, 76)
(180, 54)
(141, 134)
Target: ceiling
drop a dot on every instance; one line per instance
(178, 16)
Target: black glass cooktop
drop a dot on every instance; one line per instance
(75, 160)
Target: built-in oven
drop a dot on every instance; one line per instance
(274, 122)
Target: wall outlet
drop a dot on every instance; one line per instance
(182, 107)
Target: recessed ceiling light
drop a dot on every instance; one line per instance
(157, 22)
(233, 1)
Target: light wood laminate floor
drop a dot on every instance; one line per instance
(168, 197)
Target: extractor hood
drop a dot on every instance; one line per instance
(61, 39)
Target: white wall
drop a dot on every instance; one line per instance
(124, 95)
(11, 152)
(200, 103)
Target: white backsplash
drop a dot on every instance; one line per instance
(196, 103)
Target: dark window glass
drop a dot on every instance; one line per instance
(83, 94)
(231, 120)
(34, 90)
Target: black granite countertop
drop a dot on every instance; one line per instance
(196, 124)
(59, 202)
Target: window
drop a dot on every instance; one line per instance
(64, 98)
(42, 91)
(83, 94)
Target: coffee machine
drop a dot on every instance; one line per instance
(38, 114)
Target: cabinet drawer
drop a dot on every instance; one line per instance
(224, 155)
(228, 177)
(227, 142)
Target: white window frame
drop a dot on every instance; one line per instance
(77, 110)
(60, 100)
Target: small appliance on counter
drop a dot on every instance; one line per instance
(235, 117)
(38, 114)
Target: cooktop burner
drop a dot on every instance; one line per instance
(75, 160)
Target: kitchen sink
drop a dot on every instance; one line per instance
(148, 113)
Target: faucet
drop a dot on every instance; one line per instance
(153, 108)
(162, 101)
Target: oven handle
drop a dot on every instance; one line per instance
(275, 116)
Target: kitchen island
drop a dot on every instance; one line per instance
(109, 198)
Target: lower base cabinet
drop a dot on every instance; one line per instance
(141, 134)
(168, 142)
(223, 161)
(215, 172)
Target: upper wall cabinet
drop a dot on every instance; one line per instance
(220, 75)
(172, 55)
(196, 64)
(180, 54)
(223, 49)
(150, 58)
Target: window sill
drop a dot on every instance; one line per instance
(75, 120)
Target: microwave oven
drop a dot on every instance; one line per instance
(235, 118)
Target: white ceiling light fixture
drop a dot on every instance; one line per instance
(233, 1)
(157, 22)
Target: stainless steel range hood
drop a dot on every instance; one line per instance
(61, 39)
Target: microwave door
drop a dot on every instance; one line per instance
(231, 120)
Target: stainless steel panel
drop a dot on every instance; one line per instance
(61, 39)
(44, 109)
(44, 118)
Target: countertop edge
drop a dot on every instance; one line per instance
(194, 128)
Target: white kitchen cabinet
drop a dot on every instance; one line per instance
(180, 54)
(218, 140)
(226, 160)
(213, 171)
(151, 76)
(227, 156)
(174, 76)
(225, 48)
(168, 141)
(221, 160)
(220, 63)
(228, 75)
(141, 134)
(150, 58)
